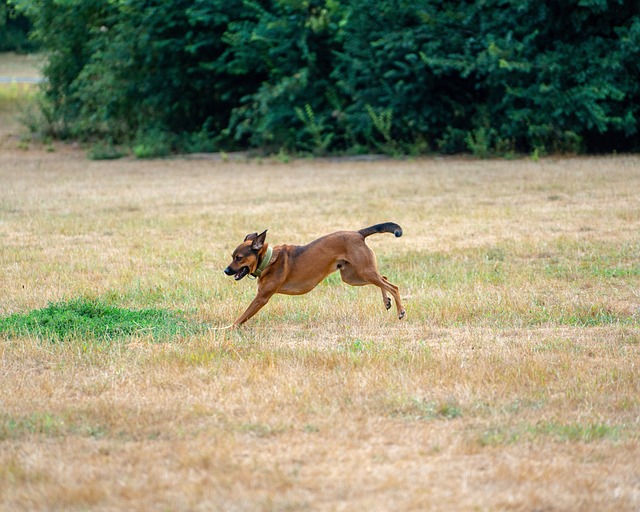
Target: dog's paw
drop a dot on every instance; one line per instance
(387, 303)
(402, 314)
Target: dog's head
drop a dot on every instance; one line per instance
(246, 256)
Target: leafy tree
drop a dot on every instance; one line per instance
(124, 69)
(14, 29)
(486, 76)
(528, 74)
(290, 44)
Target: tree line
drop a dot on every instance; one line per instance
(491, 77)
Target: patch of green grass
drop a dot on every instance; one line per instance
(576, 432)
(497, 437)
(49, 425)
(261, 429)
(595, 315)
(560, 432)
(356, 346)
(84, 318)
(37, 423)
(416, 408)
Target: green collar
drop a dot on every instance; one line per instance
(263, 264)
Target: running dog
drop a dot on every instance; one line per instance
(297, 269)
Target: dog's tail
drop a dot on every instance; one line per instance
(385, 227)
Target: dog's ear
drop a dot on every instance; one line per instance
(251, 236)
(259, 241)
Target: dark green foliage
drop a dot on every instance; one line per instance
(129, 70)
(14, 30)
(320, 76)
(87, 319)
(510, 75)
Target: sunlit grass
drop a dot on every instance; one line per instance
(515, 371)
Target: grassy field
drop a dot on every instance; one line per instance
(511, 385)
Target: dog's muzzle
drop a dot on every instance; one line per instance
(237, 275)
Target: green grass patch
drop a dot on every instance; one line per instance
(559, 432)
(420, 409)
(576, 432)
(36, 423)
(84, 318)
(46, 424)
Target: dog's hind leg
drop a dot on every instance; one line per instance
(386, 286)
(358, 277)
(350, 276)
(385, 297)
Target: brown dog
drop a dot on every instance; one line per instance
(294, 269)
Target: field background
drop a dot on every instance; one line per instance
(511, 385)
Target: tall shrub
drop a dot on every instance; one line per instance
(291, 45)
(124, 69)
(397, 76)
(526, 74)
(14, 29)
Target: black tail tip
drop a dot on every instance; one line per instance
(398, 232)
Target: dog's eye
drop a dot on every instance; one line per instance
(238, 257)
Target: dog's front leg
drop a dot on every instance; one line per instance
(255, 306)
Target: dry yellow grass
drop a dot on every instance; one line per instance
(512, 385)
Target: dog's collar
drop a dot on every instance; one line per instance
(263, 264)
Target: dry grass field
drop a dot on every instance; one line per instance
(511, 385)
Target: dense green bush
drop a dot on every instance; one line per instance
(321, 76)
(14, 30)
